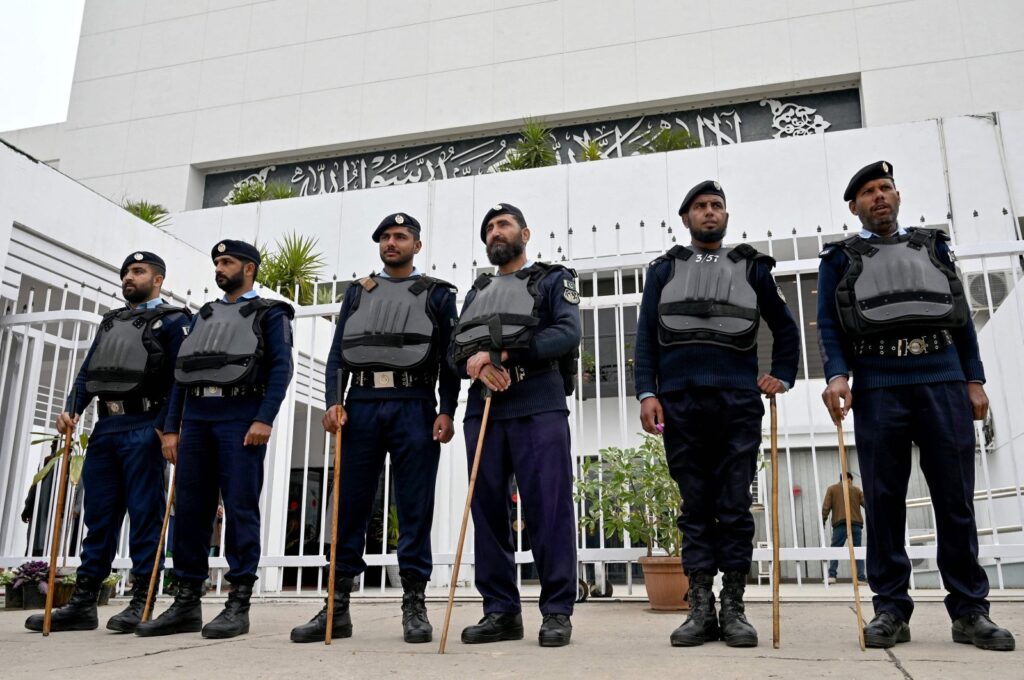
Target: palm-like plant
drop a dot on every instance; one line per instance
(294, 265)
(276, 190)
(667, 139)
(533, 149)
(154, 213)
(591, 151)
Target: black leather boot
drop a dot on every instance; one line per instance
(702, 624)
(736, 630)
(885, 630)
(316, 629)
(494, 627)
(233, 620)
(185, 615)
(127, 620)
(415, 626)
(78, 614)
(555, 631)
(978, 630)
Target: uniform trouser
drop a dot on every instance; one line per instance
(937, 418)
(712, 437)
(212, 461)
(402, 427)
(123, 471)
(536, 450)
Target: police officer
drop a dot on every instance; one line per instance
(696, 378)
(892, 313)
(518, 332)
(392, 340)
(129, 369)
(231, 376)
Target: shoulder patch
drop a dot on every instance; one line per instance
(778, 289)
(367, 283)
(571, 295)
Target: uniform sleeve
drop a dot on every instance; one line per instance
(459, 367)
(277, 339)
(449, 382)
(171, 338)
(562, 335)
(785, 334)
(831, 340)
(335, 362)
(79, 391)
(176, 399)
(965, 338)
(647, 348)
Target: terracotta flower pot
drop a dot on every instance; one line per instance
(62, 593)
(667, 585)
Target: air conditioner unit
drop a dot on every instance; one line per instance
(999, 285)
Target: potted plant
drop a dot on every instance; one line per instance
(12, 595)
(107, 588)
(63, 589)
(31, 579)
(631, 492)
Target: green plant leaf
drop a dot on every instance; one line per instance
(45, 470)
(154, 213)
(534, 148)
(77, 463)
(659, 140)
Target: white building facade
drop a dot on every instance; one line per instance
(370, 107)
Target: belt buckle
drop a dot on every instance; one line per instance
(917, 346)
(383, 379)
(115, 408)
(213, 391)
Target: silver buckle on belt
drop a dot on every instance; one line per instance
(213, 391)
(115, 408)
(384, 379)
(914, 346)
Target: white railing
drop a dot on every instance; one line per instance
(42, 346)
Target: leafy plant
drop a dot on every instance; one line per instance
(295, 263)
(78, 450)
(533, 149)
(6, 578)
(36, 571)
(591, 151)
(154, 213)
(255, 189)
(112, 579)
(393, 526)
(631, 492)
(667, 139)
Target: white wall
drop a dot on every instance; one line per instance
(163, 87)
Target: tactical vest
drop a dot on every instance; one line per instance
(710, 301)
(390, 324)
(226, 344)
(898, 283)
(127, 352)
(503, 315)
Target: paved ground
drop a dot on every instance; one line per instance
(612, 639)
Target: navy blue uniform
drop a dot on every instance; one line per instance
(713, 412)
(398, 420)
(528, 436)
(899, 401)
(124, 468)
(212, 460)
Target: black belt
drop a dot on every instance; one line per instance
(232, 391)
(128, 407)
(385, 379)
(904, 347)
(521, 373)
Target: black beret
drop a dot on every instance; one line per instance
(142, 257)
(708, 186)
(396, 220)
(237, 249)
(877, 170)
(500, 209)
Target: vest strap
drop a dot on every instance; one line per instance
(706, 308)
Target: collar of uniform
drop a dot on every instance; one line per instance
(247, 295)
(529, 263)
(150, 304)
(865, 234)
(415, 272)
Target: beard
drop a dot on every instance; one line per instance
(708, 236)
(229, 284)
(398, 260)
(138, 293)
(501, 253)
